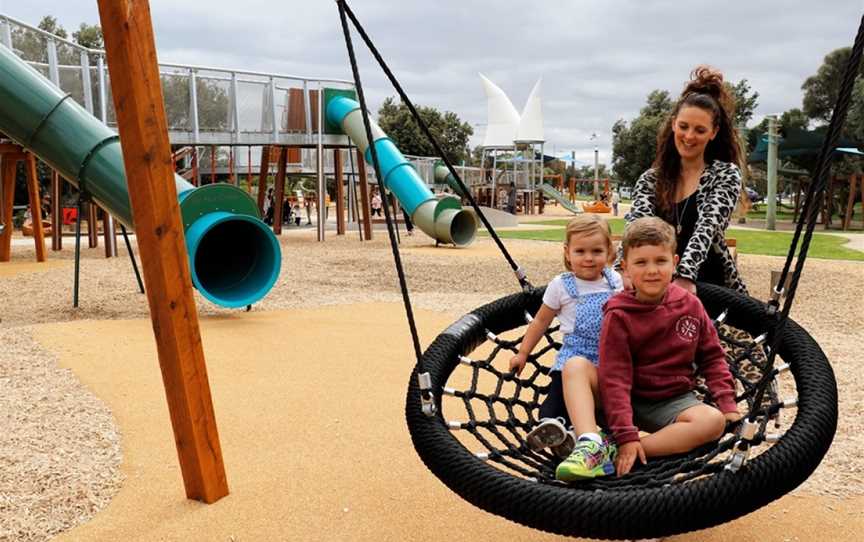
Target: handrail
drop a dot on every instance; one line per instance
(101, 52)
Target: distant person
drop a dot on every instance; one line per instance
(376, 204)
(615, 200)
(409, 226)
(695, 182)
(268, 207)
(46, 206)
(511, 199)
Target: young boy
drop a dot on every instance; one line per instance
(651, 337)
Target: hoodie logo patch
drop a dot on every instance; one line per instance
(687, 328)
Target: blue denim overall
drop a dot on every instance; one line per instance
(584, 340)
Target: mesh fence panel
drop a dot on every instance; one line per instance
(178, 100)
(72, 83)
(214, 104)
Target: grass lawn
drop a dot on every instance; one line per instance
(764, 243)
(759, 211)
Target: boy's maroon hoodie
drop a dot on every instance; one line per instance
(648, 351)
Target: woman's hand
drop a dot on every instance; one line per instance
(517, 363)
(687, 284)
(627, 454)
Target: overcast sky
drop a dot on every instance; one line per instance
(598, 59)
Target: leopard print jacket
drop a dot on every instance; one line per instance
(716, 198)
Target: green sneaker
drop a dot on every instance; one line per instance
(588, 460)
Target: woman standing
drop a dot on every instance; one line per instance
(695, 181)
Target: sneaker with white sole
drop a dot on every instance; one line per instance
(564, 449)
(589, 459)
(548, 433)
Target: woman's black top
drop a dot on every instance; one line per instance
(712, 269)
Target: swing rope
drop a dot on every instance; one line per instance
(345, 9)
(403, 285)
(815, 192)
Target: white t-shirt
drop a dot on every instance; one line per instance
(557, 298)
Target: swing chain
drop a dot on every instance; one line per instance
(427, 399)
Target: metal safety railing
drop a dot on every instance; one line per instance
(204, 105)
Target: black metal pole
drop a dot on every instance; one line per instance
(132, 257)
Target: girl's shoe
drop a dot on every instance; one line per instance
(588, 460)
(548, 433)
(564, 449)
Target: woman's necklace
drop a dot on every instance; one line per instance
(683, 213)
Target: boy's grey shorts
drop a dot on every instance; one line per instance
(653, 416)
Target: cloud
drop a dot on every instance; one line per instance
(598, 59)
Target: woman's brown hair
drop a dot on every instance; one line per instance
(706, 91)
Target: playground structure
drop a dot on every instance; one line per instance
(223, 124)
(803, 143)
(87, 153)
(442, 219)
(515, 142)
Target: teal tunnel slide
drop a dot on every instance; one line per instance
(234, 258)
(443, 176)
(442, 219)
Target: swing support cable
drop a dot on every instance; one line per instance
(344, 9)
(427, 397)
(809, 214)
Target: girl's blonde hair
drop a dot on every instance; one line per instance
(587, 225)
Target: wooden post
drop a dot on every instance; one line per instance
(279, 191)
(7, 179)
(231, 173)
(93, 223)
(340, 192)
(138, 100)
(196, 174)
(850, 204)
(110, 234)
(35, 206)
(829, 202)
(56, 212)
(861, 178)
(364, 196)
(262, 177)
(212, 162)
(249, 170)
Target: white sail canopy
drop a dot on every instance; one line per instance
(531, 121)
(503, 119)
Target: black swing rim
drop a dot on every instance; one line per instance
(629, 512)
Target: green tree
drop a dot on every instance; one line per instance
(821, 90)
(634, 144)
(745, 101)
(213, 103)
(820, 95)
(450, 132)
(587, 172)
(89, 36)
(30, 45)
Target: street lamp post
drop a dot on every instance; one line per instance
(596, 169)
